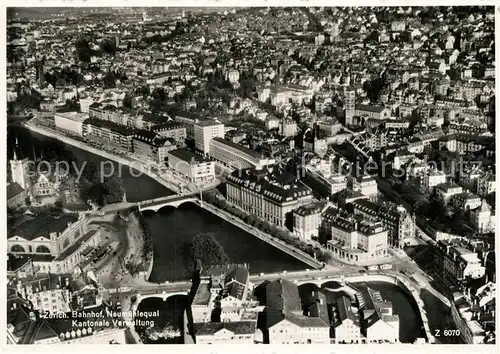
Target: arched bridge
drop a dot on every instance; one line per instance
(171, 200)
(162, 295)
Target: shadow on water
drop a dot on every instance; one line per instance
(170, 316)
(173, 228)
(439, 316)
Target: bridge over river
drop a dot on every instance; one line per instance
(317, 277)
(150, 204)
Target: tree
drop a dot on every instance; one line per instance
(324, 256)
(127, 101)
(203, 251)
(113, 190)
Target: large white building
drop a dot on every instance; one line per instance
(366, 185)
(269, 194)
(378, 323)
(223, 311)
(346, 320)
(432, 178)
(353, 241)
(235, 156)
(56, 243)
(286, 323)
(307, 220)
(195, 168)
(204, 132)
(71, 122)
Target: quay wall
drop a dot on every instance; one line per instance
(134, 164)
(303, 257)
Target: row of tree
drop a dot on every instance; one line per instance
(269, 228)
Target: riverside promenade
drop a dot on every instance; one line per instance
(126, 161)
(281, 245)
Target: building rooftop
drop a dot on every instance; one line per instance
(188, 156)
(210, 328)
(207, 123)
(239, 147)
(368, 108)
(76, 245)
(283, 302)
(13, 189)
(311, 208)
(115, 127)
(202, 295)
(344, 309)
(275, 184)
(74, 116)
(43, 225)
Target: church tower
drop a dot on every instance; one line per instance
(350, 101)
(20, 170)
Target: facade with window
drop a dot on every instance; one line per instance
(63, 238)
(286, 323)
(195, 168)
(355, 241)
(270, 195)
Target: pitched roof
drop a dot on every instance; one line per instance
(43, 225)
(344, 310)
(210, 328)
(13, 189)
(283, 303)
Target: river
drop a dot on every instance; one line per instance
(171, 228)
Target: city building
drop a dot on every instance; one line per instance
(366, 185)
(269, 193)
(307, 220)
(71, 122)
(482, 218)
(465, 201)
(223, 309)
(350, 110)
(47, 292)
(109, 133)
(16, 196)
(61, 240)
(204, 132)
(236, 156)
(191, 166)
(473, 313)
(454, 262)
(172, 130)
(347, 324)
(374, 112)
(378, 323)
(20, 171)
(288, 127)
(357, 242)
(285, 321)
(431, 178)
(445, 191)
(148, 145)
(322, 181)
(398, 221)
(486, 184)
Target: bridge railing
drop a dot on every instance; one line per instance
(165, 199)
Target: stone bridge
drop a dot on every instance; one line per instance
(171, 200)
(163, 295)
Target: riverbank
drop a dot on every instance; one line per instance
(131, 163)
(282, 246)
